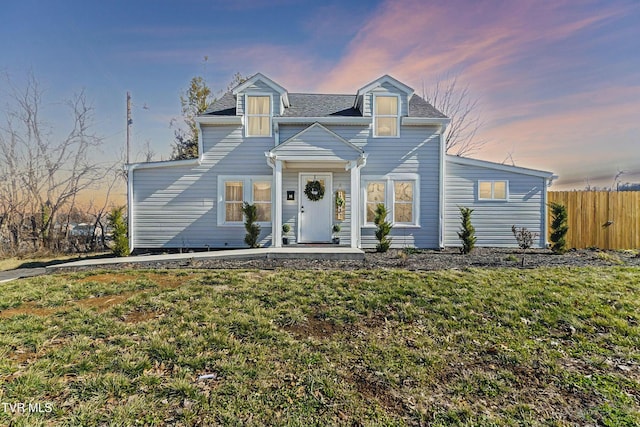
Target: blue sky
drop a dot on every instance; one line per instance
(558, 82)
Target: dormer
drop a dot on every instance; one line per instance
(258, 100)
(386, 100)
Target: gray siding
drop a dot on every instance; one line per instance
(493, 219)
(317, 142)
(175, 207)
(416, 151)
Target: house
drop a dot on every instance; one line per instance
(315, 160)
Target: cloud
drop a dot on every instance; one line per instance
(531, 64)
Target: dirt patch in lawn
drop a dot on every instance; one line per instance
(101, 304)
(315, 327)
(373, 388)
(29, 308)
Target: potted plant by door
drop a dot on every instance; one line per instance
(336, 229)
(285, 229)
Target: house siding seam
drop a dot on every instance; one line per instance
(493, 220)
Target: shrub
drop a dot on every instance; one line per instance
(383, 228)
(559, 228)
(524, 237)
(467, 233)
(253, 229)
(286, 228)
(119, 225)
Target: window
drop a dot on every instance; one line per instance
(375, 195)
(493, 190)
(262, 200)
(233, 192)
(386, 116)
(399, 193)
(258, 115)
(403, 202)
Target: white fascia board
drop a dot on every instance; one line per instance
(425, 121)
(386, 79)
(324, 120)
(312, 158)
(498, 166)
(219, 120)
(163, 164)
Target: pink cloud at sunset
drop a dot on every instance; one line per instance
(529, 63)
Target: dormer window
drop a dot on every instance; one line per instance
(258, 115)
(386, 112)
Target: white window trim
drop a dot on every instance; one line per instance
(245, 117)
(247, 196)
(375, 116)
(493, 199)
(390, 196)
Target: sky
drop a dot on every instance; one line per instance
(558, 82)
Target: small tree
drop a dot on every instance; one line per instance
(524, 238)
(559, 228)
(467, 233)
(383, 228)
(253, 229)
(120, 239)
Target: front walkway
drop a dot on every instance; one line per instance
(291, 252)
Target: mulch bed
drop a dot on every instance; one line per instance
(414, 260)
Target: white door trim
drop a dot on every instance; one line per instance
(328, 195)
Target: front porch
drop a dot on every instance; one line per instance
(316, 155)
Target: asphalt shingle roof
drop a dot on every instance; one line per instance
(322, 105)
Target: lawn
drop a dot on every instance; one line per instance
(503, 347)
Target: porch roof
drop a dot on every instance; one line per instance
(317, 143)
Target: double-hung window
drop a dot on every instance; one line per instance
(233, 199)
(262, 200)
(386, 116)
(234, 191)
(399, 193)
(376, 193)
(258, 115)
(493, 190)
(403, 202)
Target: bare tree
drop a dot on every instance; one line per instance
(45, 172)
(457, 103)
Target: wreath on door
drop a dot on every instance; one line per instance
(314, 190)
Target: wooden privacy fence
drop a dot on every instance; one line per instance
(601, 219)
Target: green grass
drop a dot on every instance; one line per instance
(499, 347)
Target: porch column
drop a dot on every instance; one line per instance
(276, 221)
(355, 204)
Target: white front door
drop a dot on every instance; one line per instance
(315, 216)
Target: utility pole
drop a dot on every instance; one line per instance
(129, 122)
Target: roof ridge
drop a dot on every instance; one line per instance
(325, 94)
